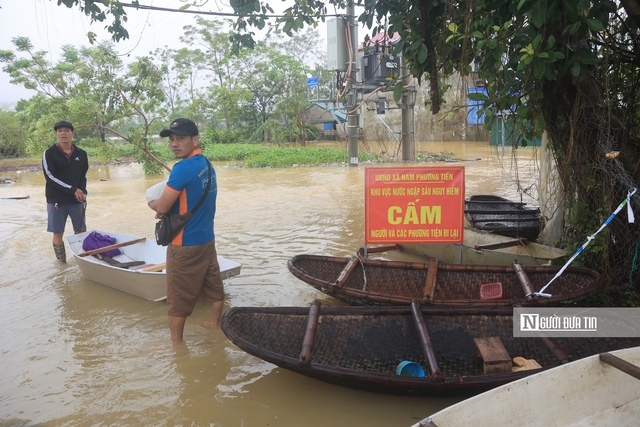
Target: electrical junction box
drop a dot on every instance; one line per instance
(337, 52)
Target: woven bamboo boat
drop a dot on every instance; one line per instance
(364, 347)
(365, 281)
(502, 216)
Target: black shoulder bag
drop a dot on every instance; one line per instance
(171, 223)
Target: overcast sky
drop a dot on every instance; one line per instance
(50, 26)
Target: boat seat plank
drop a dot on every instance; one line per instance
(310, 333)
(430, 285)
(524, 280)
(495, 358)
(115, 263)
(427, 345)
(621, 364)
(344, 275)
(155, 267)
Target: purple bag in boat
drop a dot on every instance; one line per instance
(96, 240)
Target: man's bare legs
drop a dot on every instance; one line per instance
(176, 324)
(57, 238)
(216, 312)
(176, 327)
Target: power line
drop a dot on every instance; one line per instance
(198, 12)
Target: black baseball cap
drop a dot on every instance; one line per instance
(63, 124)
(181, 127)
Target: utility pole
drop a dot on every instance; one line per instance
(407, 113)
(352, 116)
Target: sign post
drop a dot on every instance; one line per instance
(313, 92)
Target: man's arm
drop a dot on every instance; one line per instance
(83, 180)
(164, 203)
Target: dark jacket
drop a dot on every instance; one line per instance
(64, 176)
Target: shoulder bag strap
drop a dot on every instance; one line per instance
(206, 192)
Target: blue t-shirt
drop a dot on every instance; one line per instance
(189, 178)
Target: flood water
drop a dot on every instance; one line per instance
(77, 353)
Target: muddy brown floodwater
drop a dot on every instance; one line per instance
(77, 353)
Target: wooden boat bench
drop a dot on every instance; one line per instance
(430, 285)
(310, 333)
(496, 359)
(344, 274)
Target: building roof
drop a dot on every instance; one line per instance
(332, 109)
(382, 38)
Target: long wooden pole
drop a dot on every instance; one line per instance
(623, 365)
(527, 287)
(427, 346)
(108, 248)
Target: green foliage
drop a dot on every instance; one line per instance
(223, 135)
(106, 151)
(630, 298)
(582, 223)
(598, 299)
(146, 151)
(94, 9)
(233, 152)
(12, 136)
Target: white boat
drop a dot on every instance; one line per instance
(485, 248)
(138, 271)
(600, 390)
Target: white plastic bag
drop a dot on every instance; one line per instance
(154, 193)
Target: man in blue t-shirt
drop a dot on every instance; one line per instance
(192, 261)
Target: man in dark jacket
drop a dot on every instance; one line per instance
(65, 169)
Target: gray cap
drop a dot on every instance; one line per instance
(63, 124)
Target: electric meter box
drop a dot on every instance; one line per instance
(337, 52)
